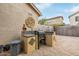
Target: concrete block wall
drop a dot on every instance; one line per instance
(68, 30)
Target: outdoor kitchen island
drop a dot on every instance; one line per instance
(33, 39)
(31, 42)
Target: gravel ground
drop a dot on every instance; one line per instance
(65, 46)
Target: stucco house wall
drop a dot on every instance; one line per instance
(52, 21)
(72, 19)
(12, 18)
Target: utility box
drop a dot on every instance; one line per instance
(50, 38)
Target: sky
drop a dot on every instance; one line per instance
(50, 10)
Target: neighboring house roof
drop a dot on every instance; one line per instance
(34, 8)
(56, 17)
(73, 14)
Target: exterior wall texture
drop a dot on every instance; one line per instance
(12, 18)
(72, 19)
(55, 21)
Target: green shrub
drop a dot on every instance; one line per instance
(42, 21)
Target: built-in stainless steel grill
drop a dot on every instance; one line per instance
(41, 36)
